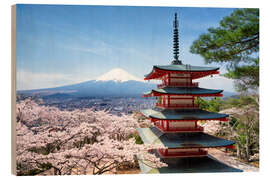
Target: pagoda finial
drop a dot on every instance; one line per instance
(175, 41)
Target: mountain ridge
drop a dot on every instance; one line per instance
(116, 82)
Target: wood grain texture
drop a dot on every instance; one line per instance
(13, 89)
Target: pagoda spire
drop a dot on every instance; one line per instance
(175, 41)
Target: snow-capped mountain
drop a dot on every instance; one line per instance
(116, 82)
(118, 75)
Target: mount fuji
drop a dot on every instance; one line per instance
(117, 82)
(118, 75)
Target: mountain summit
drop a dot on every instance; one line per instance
(116, 82)
(118, 75)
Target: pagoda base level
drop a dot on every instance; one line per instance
(205, 164)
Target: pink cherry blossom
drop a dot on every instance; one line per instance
(73, 142)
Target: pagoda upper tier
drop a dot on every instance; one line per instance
(195, 72)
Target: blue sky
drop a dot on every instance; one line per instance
(59, 45)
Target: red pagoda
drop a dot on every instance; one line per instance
(176, 117)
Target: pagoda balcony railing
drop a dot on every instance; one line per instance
(183, 154)
(179, 129)
(178, 84)
(180, 106)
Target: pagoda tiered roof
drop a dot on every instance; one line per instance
(153, 135)
(195, 71)
(176, 117)
(194, 91)
(204, 164)
(182, 114)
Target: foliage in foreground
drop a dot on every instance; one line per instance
(74, 142)
(243, 127)
(244, 130)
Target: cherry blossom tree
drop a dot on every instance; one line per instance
(74, 142)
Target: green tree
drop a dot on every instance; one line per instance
(236, 43)
(203, 103)
(241, 102)
(212, 105)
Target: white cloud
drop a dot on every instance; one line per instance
(28, 80)
(217, 82)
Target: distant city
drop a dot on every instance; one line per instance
(114, 105)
